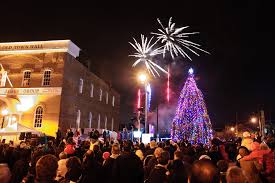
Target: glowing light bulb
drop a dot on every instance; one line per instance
(190, 71)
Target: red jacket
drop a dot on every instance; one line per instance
(69, 149)
(256, 154)
(269, 165)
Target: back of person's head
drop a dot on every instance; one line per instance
(178, 155)
(74, 169)
(70, 140)
(139, 153)
(235, 175)
(204, 171)
(5, 174)
(62, 155)
(167, 142)
(164, 158)
(157, 152)
(115, 149)
(126, 146)
(222, 165)
(46, 168)
(243, 151)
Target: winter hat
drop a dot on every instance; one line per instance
(255, 146)
(246, 134)
(204, 157)
(106, 155)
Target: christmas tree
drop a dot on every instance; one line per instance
(191, 122)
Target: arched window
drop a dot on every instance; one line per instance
(38, 117)
(26, 78)
(46, 78)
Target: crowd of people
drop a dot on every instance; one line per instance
(80, 158)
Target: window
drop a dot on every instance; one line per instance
(107, 96)
(90, 119)
(80, 85)
(92, 90)
(100, 95)
(78, 116)
(113, 101)
(38, 117)
(98, 122)
(26, 78)
(46, 78)
(105, 124)
(112, 127)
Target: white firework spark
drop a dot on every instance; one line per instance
(175, 40)
(145, 52)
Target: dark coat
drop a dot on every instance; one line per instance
(128, 168)
(178, 172)
(158, 175)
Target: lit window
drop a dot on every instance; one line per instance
(78, 116)
(80, 85)
(26, 78)
(90, 119)
(112, 128)
(105, 124)
(100, 95)
(113, 101)
(107, 97)
(46, 78)
(92, 90)
(98, 121)
(38, 117)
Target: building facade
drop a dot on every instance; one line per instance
(44, 87)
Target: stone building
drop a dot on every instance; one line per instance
(44, 87)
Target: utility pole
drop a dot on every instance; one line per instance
(157, 122)
(237, 124)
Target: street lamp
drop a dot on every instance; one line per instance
(253, 120)
(143, 79)
(232, 129)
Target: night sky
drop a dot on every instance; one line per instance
(237, 77)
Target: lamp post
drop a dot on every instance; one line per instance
(143, 79)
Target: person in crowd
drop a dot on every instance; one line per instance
(269, 162)
(46, 168)
(151, 150)
(204, 171)
(21, 166)
(74, 170)
(235, 175)
(69, 133)
(222, 167)
(109, 163)
(94, 139)
(139, 153)
(62, 168)
(5, 174)
(105, 156)
(159, 174)
(242, 151)
(70, 147)
(152, 162)
(256, 154)
(178, 172)
(91, 169)
(247, 140)
(128, 167)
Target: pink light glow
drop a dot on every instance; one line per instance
(138, 103)
(168, 85)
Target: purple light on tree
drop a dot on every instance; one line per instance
(191, 121)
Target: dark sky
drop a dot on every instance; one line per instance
(237, 76)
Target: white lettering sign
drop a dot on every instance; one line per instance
(31, 91)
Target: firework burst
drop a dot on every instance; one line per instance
(145, 53)
(175, 40)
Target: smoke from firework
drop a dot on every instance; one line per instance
(166, 114)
